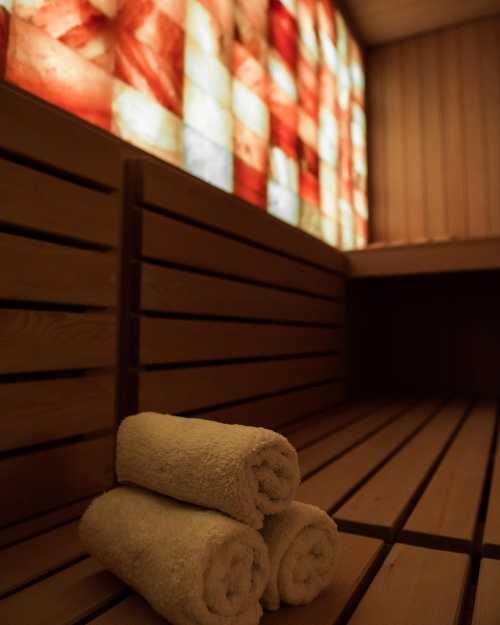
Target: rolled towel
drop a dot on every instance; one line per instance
(303, 549)
(246, 472)
(194, 566)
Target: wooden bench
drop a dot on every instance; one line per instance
(442, 448)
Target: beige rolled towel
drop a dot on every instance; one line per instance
(246, 472)
(194, 566)
(303, 549)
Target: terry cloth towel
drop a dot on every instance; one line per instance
(303, 548)
(194, 566)
(246, 472)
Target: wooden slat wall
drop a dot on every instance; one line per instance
(59, 236)
(239, 317)
(435, 136)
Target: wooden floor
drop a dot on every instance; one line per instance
(414, 486)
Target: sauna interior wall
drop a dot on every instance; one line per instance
(417, 334)
(434, 144)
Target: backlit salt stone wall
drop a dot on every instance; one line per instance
(262, 98)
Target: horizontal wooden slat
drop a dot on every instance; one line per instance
(337, 442)
(325, 610)
(40, 132)
(415, 586)
(32, 527)
(436, 257)
(487, 601)
(491, 536)
(64, 598)
(174, 340)
(167, 239)
(36, 482)
(32, 340)
(331, 484)
(307, 431)
(180, 390)
(379, 504)
(446, 513)
(47, 410)
(187, 196)
(38, 556)
(272, 412)
(46, 272)
(33, 199)
(171, 290)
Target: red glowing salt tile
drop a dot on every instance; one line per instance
(283, 136)
(307, 75)
(42, 65)
(140, 120)
(4, 34)
(249, 71)
(155, 70)
(204, 27)
(247, 176)
(282, 106)
(309, 159)
(309, 188)
(327, 88)
(250, 21)
(309, 103)
(250, 147)
(249, 195)
(283, 33)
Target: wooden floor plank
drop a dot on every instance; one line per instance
(337, 442)
(445, 516)
(491, 536)
(377, 507)
(415, 586)
(330, 485)
(64, 598)
(38, 556)
(487, 602)
(309, 430)
(357, 555)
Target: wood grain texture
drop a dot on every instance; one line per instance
(168, 239)
(41, 132)
(336, 443)
(491, 535)
(359, 554)
(171, 290)
(64, 598)
(38, 556)
(273, 412)
(39, 524)
(434, 107)
(190, 197)
(378, 505)
(442, 257)
(75, 211)
(380, 21)
(34, 483)
(330, 485)
(415, 586)
(32, 340)
(177, 391)
(446, 514)
(176, 340)
(46, 272)
(307, 431)
(487, 601)
(48, 410)
(489, 51)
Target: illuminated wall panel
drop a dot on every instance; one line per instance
(262, 98)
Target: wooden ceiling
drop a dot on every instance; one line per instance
(381, 21)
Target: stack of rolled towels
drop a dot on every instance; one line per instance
(203, 524)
